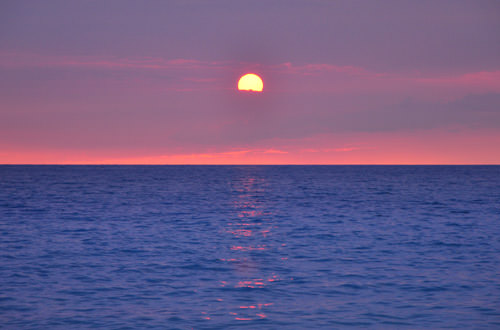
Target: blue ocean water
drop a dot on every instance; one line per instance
(257, 247)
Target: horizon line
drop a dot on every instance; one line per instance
(354, 164)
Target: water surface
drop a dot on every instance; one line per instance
(268, 247)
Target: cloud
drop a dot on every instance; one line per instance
(160, 103)
(284, 77)
(20, 60)
(250, 156)
(275, 151)
(345, 149)
(326, 150)
(435, 146)
(488, 80)
(336, 79)
(323, 68)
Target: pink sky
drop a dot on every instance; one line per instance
(89, 84)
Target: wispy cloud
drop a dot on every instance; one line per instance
(224, 157)
(322, 68)
(326, 150)
(321, 76)
(16, 60)
(482, 78)
(191, 75)
(275, 151)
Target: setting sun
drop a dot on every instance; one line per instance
(250, 82)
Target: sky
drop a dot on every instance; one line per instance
(345, 82)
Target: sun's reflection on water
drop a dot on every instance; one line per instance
(250, 229)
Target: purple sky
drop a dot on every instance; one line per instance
(155, 82)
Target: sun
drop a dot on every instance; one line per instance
(250, 82)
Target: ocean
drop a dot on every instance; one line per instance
(249, 247)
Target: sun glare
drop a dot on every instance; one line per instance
(250, 82)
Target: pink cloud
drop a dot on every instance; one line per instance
(486, 79)
(250, 156)
(13, 60)
(438, 146)
(353, 80)
(325, 150)
(345, 149)
(309, 77)
(321, 68)
(275, 151)
(201, 80)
